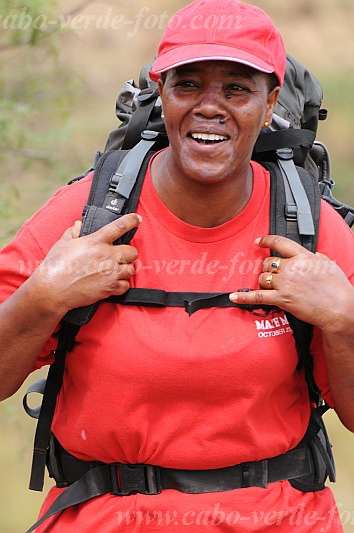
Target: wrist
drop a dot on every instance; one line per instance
(42, 299)
(342, 320)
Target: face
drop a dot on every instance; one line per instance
(195, 98)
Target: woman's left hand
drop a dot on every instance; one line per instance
(310, 286)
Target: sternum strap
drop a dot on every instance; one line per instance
(191, 301)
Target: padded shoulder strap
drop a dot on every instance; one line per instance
(115, 190)
(294, 204)
(295, 195)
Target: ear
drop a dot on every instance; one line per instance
(271, 101)
(160, 85)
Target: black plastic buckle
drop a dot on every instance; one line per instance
(285, 154)
(129, 479)
(290, 211)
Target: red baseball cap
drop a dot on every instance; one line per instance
(221, 30)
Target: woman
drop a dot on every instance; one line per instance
(154, 386)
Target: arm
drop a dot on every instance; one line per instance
(314, 289)
(76, 272)
(338, 345)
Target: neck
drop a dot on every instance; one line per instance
(201, 204)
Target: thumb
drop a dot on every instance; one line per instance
(117, 228)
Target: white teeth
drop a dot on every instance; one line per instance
(208, 137)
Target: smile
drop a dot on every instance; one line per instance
(208, 138)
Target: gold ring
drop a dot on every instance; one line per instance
(275, 265)
(269, 280)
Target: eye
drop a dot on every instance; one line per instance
(185, 83)
(236, 88)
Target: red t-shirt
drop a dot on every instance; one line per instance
(150, 385)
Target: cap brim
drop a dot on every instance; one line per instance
(184, 55)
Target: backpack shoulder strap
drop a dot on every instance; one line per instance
(115, 190)
(295, 214)
(46, 411)
(295, 202)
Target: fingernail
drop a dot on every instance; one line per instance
(257, 241)
(140, 218)
(233, 297)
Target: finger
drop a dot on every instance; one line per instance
(268, 280)
(73, 232)
(272, 264)
(282, 245)
(117, 228)
(75, 229)
(125, 271)
(257, 297)
(121, 287)
(126, 254)
(321, 256)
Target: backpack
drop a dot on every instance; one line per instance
(300, 177)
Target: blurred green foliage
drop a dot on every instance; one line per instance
(37, 94)
(26, 81)
(337, 131)
(15, 17)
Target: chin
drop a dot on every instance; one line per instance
(208, 176)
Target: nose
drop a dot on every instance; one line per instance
(210, 104)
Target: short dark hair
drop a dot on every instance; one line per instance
(273, 82)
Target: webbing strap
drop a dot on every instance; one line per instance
(191, 301)
(274, 140)
(128, 169)
(123, 480)
(52, 387)
(303, 209)
(92, 484)
(39, 388)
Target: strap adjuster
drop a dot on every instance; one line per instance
(127, 479)
(290, 211)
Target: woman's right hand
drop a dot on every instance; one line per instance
(80, 271)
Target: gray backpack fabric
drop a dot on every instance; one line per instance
(300, 98)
